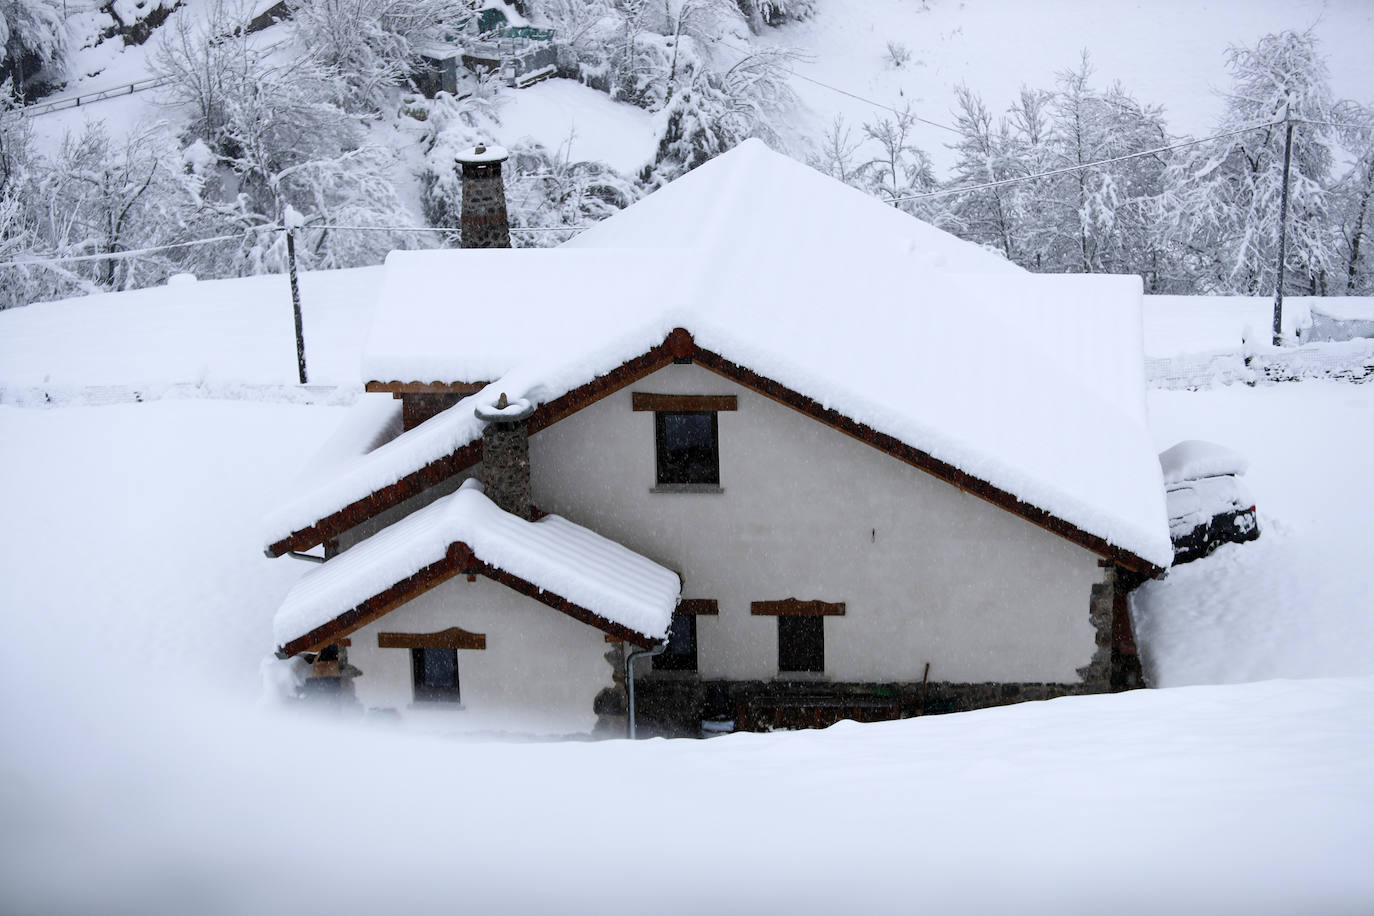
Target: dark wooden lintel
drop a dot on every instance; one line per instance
(701, 607)
(452, 638)
(642, 400)
(791, 607)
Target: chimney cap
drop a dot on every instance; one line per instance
(482, 154)
(504, 411)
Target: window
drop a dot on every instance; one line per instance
(801, 643)
(436, 675)
(681, 654)
(687, 448)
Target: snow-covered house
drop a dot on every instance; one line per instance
(822, 458)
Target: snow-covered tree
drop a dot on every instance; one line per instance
(899, 168)
(1096, 219)
(203, 63)
(1223, 198)
(987, 154)
(33, 42)
(370, 45)
(838, 154)
(1352, 206)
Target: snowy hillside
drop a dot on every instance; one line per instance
(165, 603)
(186, 132)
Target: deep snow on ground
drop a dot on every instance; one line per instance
(135, 528)
(1299, 602)
(138, 775)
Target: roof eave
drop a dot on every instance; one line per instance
(679, 345)
(458, 559)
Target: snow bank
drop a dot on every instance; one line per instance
(1194, 458)
(1191, 324)
(1297, 602)
(561, 558)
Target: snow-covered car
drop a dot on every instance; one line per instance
(1208, 505)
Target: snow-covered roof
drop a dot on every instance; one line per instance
(552, 553)
(1031, 383)
(754, 202)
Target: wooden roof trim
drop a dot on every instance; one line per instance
(922, 460)
(439, 470)
(359, 511)
(396, 386)
(679, 345)
(459, 558)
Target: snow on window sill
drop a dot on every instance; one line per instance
(811, 676)
(687, 488)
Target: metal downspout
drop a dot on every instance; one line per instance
(630, 676)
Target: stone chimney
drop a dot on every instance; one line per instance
(484, 222)
(506, 454)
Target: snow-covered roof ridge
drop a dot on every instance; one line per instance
(753, 198)
(552, 554)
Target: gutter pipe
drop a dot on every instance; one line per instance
(630, 676)
(309, 557)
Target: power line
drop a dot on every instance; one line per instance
(852, 95)
(440, 228)
(1078, 168)
(129, 253)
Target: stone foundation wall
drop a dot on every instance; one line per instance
(676, 706)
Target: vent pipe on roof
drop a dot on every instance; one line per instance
(484, 221)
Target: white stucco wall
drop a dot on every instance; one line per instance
(539, 673)
(928, 573)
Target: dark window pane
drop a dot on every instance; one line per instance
(687, 450)
(441, 667)
(436, 674)
(681, 654)
(801, 643)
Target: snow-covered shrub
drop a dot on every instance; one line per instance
(33, 43)
(775, 12)
(898, 55)
(369, 45)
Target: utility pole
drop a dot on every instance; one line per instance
(1283, 220)
(292, 220)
